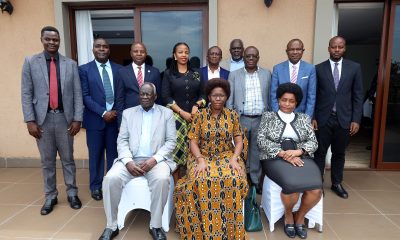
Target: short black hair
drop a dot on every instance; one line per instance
(290, 88)
(48, 29)
(218, 82)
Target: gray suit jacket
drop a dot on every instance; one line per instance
(238, 89)
(35, 89)
(163, 140)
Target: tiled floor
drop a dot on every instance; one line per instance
(371, 212)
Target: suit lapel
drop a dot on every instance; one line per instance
(63, 69)
(286, 75)
(147, 74)
(342, 75)
(328, 72)
(299, 80)
(114, 72)
(242, 85)
(43, 66)
(95, 71)
(138, 120)
(134, 82)
(156, 117)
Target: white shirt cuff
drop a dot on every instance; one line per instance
(102, 115)
(126, 160)
(158, 158)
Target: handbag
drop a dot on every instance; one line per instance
(252, 216)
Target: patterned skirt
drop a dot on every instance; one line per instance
(211, 207)
(180, 152)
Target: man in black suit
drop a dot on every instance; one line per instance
(131, 78)
(338, 109)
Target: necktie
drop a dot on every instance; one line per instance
(107, 85)
(53, 85)
(293, 77)
(140, 76)
(336, 75)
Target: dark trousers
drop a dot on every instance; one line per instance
(338, 138)
(100, 142)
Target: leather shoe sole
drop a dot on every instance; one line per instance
(75, 202)
(108, 234)
(48, 206)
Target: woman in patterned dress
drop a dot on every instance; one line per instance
(208, 200)
(183, 92)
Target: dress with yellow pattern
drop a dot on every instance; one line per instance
(210, 206)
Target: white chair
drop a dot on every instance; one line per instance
(136, 195)
(273, 207)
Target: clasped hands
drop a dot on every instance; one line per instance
(292, 156)
(202, 167)
(188, 116)
(139, 169)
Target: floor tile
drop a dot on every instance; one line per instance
(30, 224)
(7, 211)
(17, 174)
(21, 194)
(139, 227)
(391, 176)
(395, 219)
(361, 226)
(4, 185)
(368, 180)
(354, 204)
(385, 201)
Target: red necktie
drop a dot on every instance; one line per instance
(53, 85)
(140, 76)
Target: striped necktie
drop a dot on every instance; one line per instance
(107, 85)
(140, 76)
(293, 77)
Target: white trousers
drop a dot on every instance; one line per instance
(116, 179)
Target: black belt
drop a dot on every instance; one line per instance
(55, 111)
(251, 116)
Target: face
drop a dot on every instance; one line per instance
(50, 41)
(101, 50)
(147, 96)
(337, 47)
(181, 54)
(236, 50)
(138, 53)
(214, 56)
(287, 103)
(217, 98)
(251, 58)
(294, 51)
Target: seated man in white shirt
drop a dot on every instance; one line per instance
(145, 142)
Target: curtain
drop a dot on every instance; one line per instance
(84, 36)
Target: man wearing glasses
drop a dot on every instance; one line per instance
(213, 70)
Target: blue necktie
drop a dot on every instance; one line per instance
(107, 86)
(336, 75)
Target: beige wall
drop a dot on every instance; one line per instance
(20, 37)
(269, 29)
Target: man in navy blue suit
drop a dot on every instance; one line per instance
(131, 78)
(99, 80)
(213, 70)
(296, 71)
(338, 109)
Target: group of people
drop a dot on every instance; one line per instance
(217, 129)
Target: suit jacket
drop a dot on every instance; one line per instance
(348, 96)
(163, 140)
(223, 73)
(238, 90)
(127, 93)
(306, 79)
(94, 97)
(35, 89)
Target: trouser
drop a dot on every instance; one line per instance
(55, 138)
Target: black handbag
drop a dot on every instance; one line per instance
(252, 215)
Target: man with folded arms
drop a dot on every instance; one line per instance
(145, 142)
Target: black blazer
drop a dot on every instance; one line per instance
(348, 97)
(127, 94)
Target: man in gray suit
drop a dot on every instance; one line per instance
(52, 107)
(250, 98)
(146, 139)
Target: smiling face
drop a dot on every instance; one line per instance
(287, 103)
(138, 53)
(101, 50)
(294, 51)
(50, 41)
(181, 54)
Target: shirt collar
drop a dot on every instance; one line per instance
(150, 111)
(136, 66)
(209, 112)
(333, 63)
(256, 71)
(297, 65)
(99, 64)
(48, 56)
(237, 62)
(218, 69)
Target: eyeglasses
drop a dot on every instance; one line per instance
(220, 96)
(214, 54)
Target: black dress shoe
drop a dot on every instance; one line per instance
(289, 230)
(48, 206)
(109, 234)
(74, 202)
(157, 234)
(301, 230)
(339, 190)
(97, 195)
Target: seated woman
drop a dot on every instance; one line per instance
(287, 144)
(208, 200)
